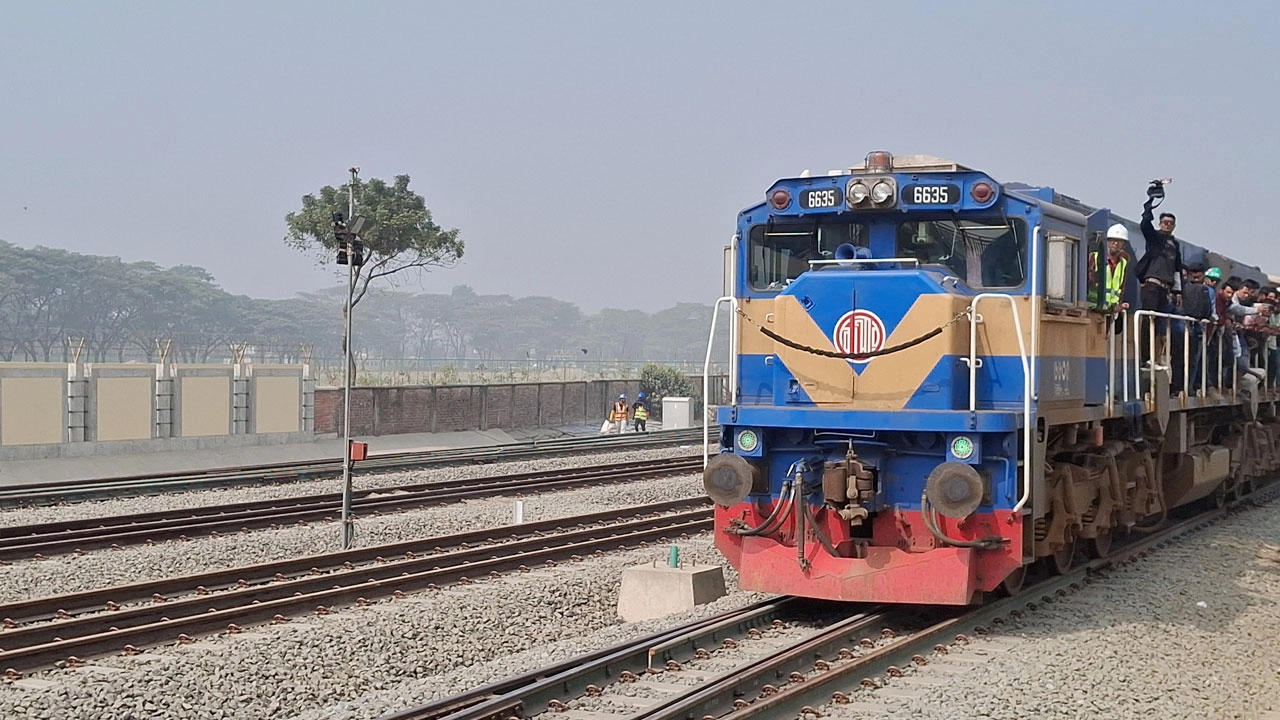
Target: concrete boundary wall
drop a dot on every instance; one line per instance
(33, 403)
(448, 408)
(120, 402)
(50, 410)
(203, 400)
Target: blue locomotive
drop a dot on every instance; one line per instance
(929, 393)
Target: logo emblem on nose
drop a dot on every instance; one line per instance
(859, 331)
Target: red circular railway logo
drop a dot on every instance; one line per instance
(859, 331)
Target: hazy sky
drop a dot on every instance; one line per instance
(599, 151)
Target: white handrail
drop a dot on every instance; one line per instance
(731, 383)
(1186, 321)
(1124, 354)
(1109, 329)
(1030, 384)
(974, 319)
(866, 261)
(706, 371)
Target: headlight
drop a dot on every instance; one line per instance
(857, 192)
(881, 192)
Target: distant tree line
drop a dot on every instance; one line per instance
(55, 304)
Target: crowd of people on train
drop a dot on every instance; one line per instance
(1232, 324)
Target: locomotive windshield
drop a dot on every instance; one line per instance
(779, 253)
(981, 253)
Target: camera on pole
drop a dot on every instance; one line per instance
(347, 238)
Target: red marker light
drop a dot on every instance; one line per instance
(780, 199)
(982, 192)
(879, 161)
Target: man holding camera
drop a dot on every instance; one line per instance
(1160, 268)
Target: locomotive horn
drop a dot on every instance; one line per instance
(728, 479)
(954, 489)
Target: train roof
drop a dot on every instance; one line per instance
(1191, 252)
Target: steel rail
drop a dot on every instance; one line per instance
(155, 483)
(795, 679)
(79, 535)
(718, 696)
(916, 649)
(60, 607)
(505, 698)
(129, 629)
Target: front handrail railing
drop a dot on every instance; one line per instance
(915, 262)
(706, 370)
(973, 361)
(1166, 353)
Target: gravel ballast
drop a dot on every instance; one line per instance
(29, 579)
(1138, 643)
(362, 662)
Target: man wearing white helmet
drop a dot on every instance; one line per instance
(1117, 269)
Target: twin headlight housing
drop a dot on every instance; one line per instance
(871, 192)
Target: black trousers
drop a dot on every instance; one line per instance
(1153, 297)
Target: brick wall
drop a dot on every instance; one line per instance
(396, 410)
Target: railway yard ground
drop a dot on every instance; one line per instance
(1187, 630)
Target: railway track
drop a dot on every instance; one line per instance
(699, 670)
(66, 629)
(277, 473)
(44, 539)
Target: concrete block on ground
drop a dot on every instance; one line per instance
(652, 591)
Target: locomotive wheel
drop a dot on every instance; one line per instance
(1012, 584)
(1236, 486)
(1099, 547)
(1060, 563)
(1245, 486)
(1220, 496)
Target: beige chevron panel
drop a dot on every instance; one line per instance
(750, 340)
(890, 380)
(824, 379)
(996, 335)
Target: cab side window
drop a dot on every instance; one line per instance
(1062, 263)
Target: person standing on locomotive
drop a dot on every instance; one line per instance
(1273, 328)
(1160, 268)
(1197, 303)
(1117, 270)
(1228, 340)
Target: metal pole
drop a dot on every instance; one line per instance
(1219, 381)
(348, 527)
(1186, 361)
(1124, 352)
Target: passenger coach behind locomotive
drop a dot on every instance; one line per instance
(897, 328)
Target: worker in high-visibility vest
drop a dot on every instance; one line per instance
(1117, 266)
(640, 413)
(618, 415)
